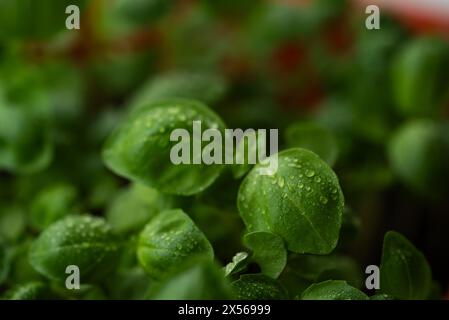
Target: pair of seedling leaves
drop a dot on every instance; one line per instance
(298, 209)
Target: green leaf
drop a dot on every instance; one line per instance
(140, 148)
(169, 239)
(205, 87)
(197, 279)
(84, 241)
(25, 145)
(239, 263)
(51, 204)
(268, 251)
(258, 287)
(134, 206)
(29, 291)
(313, 137)
(304, 270)
(12, 222)
(419, 77)
(332, 290)
(404, 271)
(302, 202)
(419, 153)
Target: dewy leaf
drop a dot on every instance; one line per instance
(302, 202)
(84, 241)
(204, 87)
(196, 279)
(258, 287)
(169, 239)
(268, 251)
(140, 148)
(313, 137)
(134, 207)
(404, 271)
(332, 290)
(238, 263)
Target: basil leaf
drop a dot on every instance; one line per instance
(12, 222)
(205, 87)
(140, 148)
(25, 145)
(51, 204)
(419, 77)
(258, 287)
(419, 153)
(239, 263)
(197, 279)
(404, 271)
(313, 137)
(302, 202)
(332, 290)
(134, 206)
(304, 270)
(167, 240)
(84, 241)
(268, 251)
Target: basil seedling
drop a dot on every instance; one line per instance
(84, 241)
(140, 148)
(167, 240)
(302, 202)
(332, 290)
(404, 271)
(258, 287)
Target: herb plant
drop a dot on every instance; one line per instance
(86, 178)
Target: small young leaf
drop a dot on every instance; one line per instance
(238, 264)
(25, 145)
(204, 87)
(134, 207)
(51, 204)
(313, 137)
(12, 222)
(302, 202)
(167, 240)
(268, 251)
(332, 290)
(84, 241)
(404, 271)
(196, 279)
(140, 148)
(258, 287)
(419, 77)
(419, 153)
